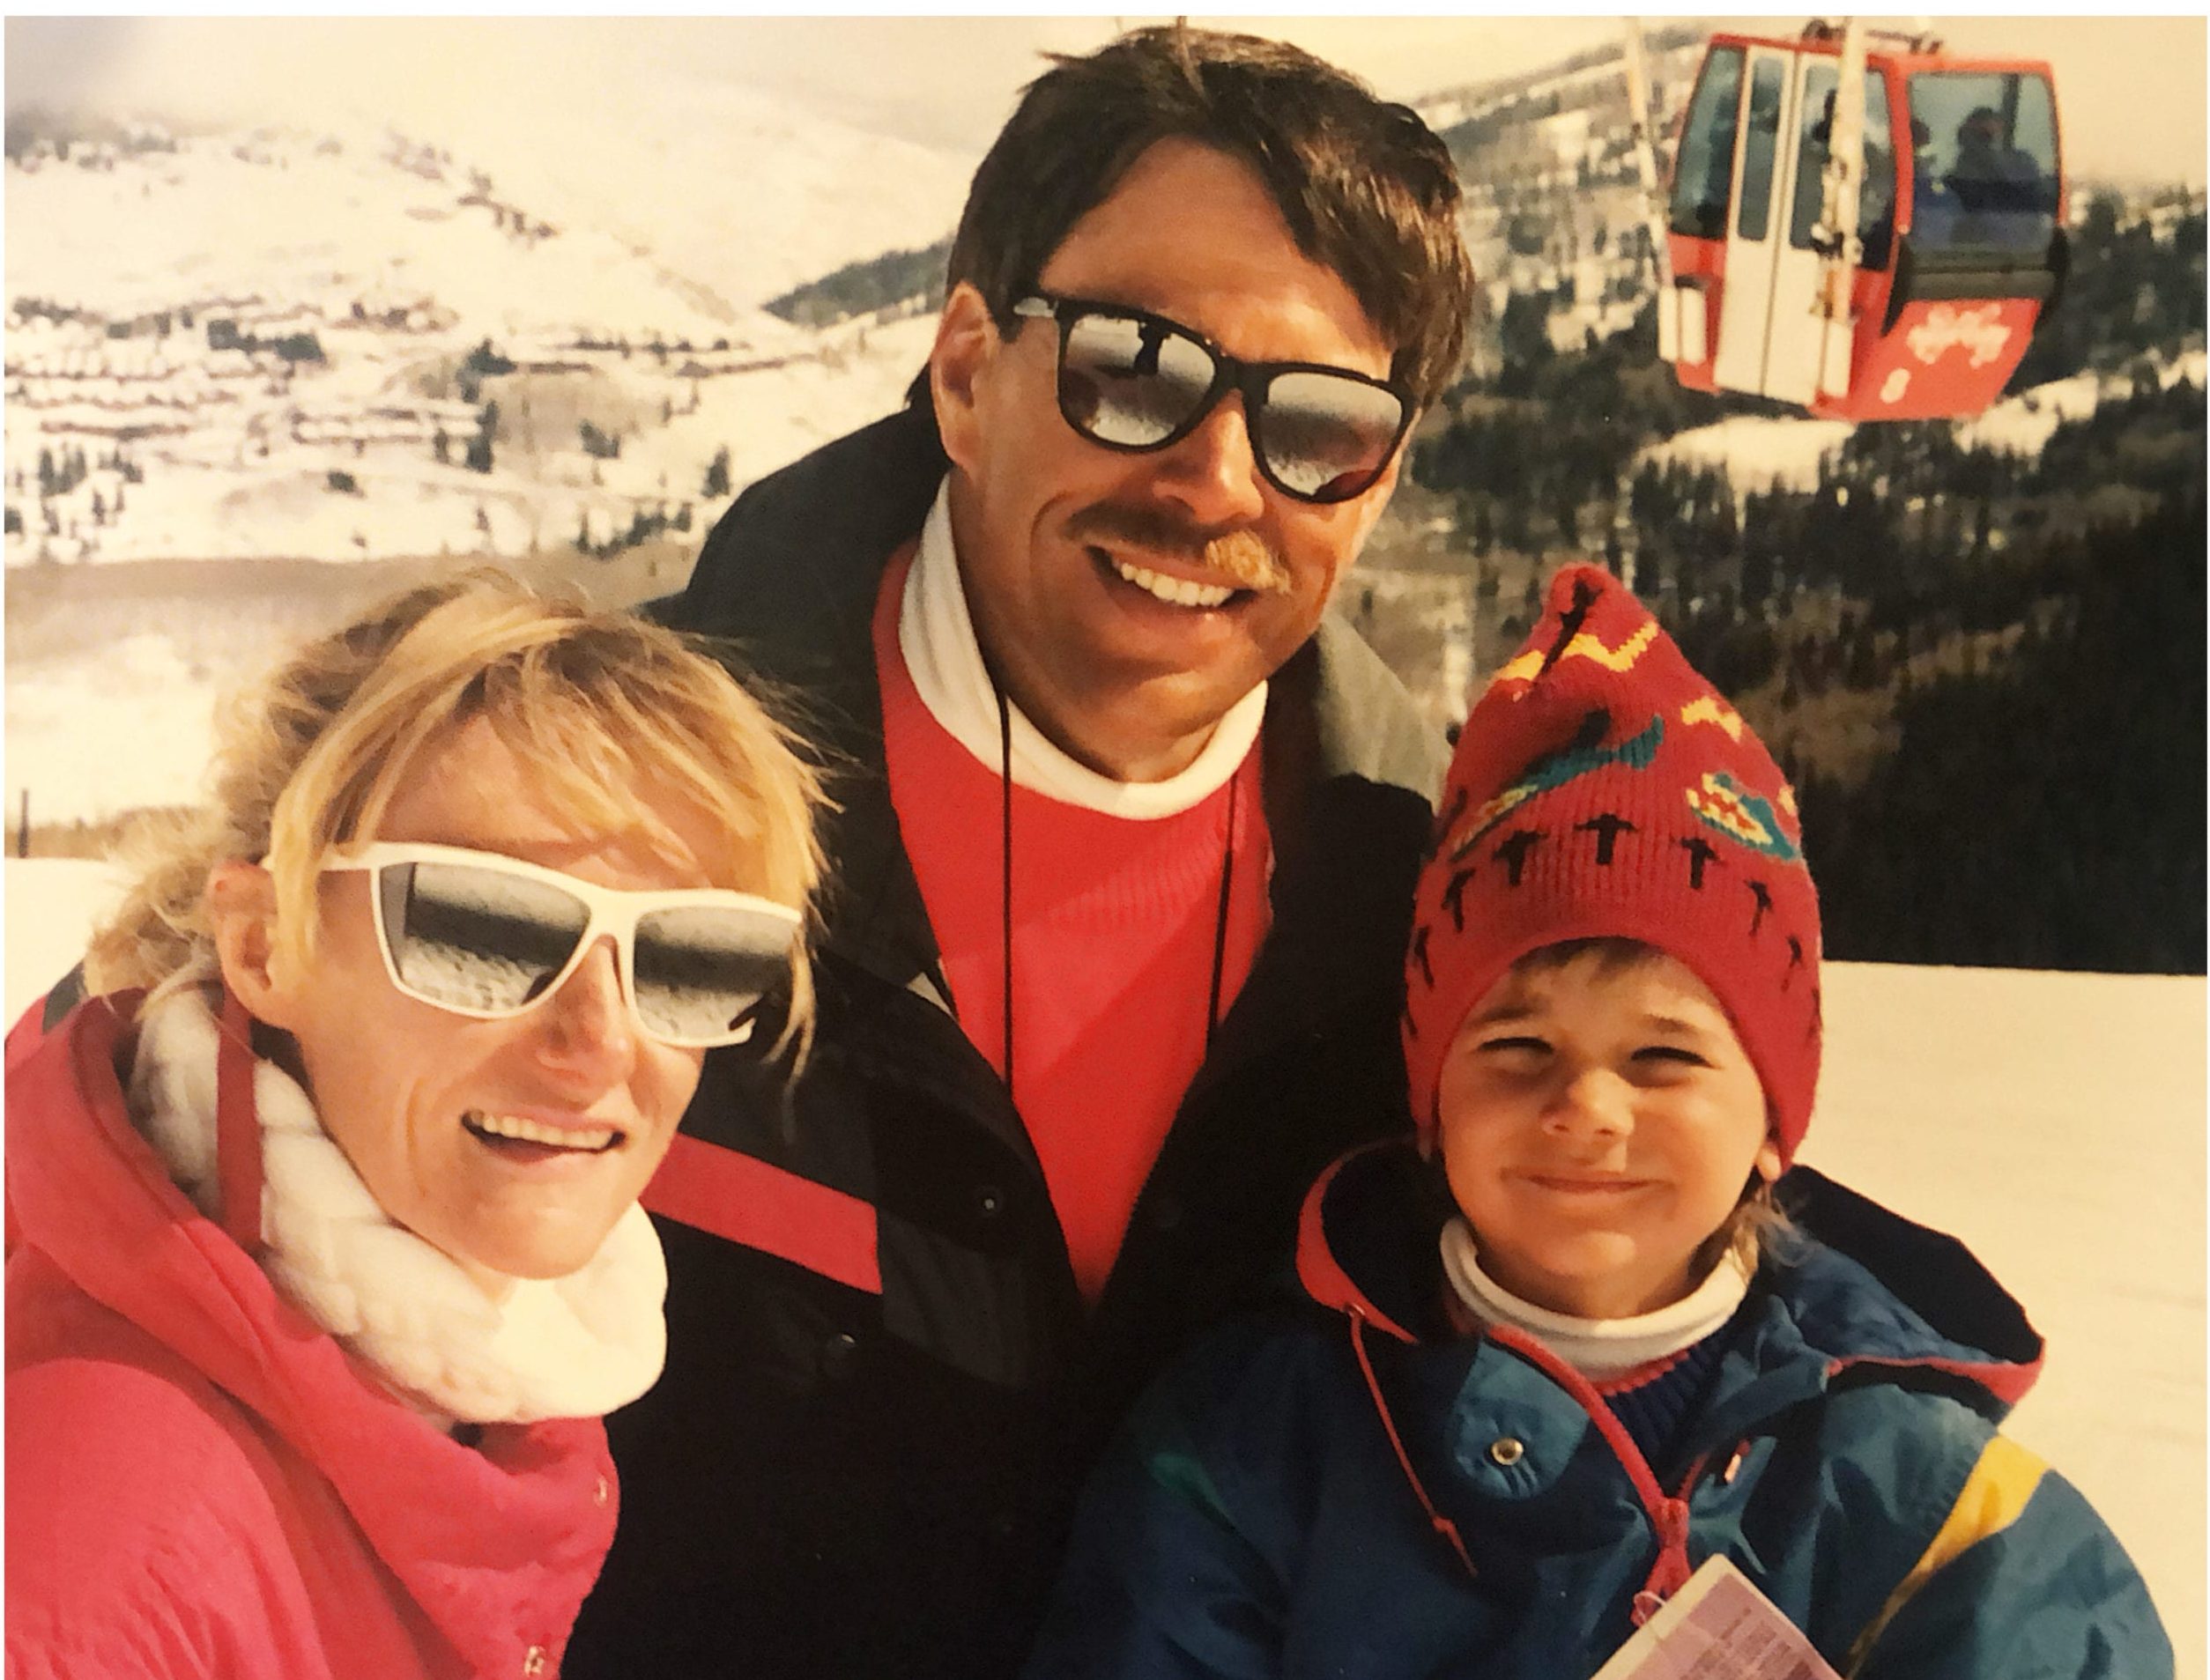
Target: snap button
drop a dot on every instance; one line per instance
(990, 1200)
(837, 1351)
(534, 1662)
(1166, 1212)
(600, 1493)
(1507, 1450)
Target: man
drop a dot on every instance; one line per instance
(1989, 173)
(1127, 840)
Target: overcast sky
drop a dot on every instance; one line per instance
(2130, 90)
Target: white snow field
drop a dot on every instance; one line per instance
(2053, 1122)
(1760, 453)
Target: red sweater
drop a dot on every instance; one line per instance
(201, 1483)
(1113, 922)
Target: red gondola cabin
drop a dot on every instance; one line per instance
(1961, 219)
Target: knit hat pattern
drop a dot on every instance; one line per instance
(1602, 788)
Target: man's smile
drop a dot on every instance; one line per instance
(1174, 589)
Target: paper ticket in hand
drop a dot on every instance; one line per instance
(1717, 1627)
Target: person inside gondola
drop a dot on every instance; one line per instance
(1925, 183)
(1989, 173)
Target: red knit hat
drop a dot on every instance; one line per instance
(1602, 788)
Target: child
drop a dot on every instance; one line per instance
(1586, 1355)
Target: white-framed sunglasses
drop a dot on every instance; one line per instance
(487, 935)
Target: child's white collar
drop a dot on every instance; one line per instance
(1598, 1349)
(568, 1347)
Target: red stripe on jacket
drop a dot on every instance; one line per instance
(743, 1199)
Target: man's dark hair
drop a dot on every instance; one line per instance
(1366, 188)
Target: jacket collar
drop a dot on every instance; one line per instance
(1864, 1295)
(1868, 1296)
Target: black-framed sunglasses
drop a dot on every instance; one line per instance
(1134, 381)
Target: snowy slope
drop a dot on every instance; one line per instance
(113, 724)
(1762, 454)
(320, 219)
(736, 190)
(2054, 1121)
(722, 194)
(615, 251)
(246, 471)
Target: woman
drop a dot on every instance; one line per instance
(327, 1257)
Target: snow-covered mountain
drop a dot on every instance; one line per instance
(724, 195)
(346, 343)
(320, 222)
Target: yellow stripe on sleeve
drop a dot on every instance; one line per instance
(1994, 1495)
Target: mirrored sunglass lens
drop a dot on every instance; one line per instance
(701, 969)
(1326, 437)
(474, 938)
(1130, 382)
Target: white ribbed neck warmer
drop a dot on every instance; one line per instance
(937, 636)
(568, 1347)
(1598, 1349)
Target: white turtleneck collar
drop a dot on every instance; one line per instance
(1598, 1349)
(577, 1346)
(937, 636)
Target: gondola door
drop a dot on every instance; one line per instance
(1770, 333)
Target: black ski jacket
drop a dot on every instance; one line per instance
(883, 1389)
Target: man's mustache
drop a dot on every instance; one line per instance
(1244, 557)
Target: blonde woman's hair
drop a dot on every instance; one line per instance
(594, 702)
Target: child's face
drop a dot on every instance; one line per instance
(1599, 1124)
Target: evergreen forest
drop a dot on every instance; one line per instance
(1983, 669)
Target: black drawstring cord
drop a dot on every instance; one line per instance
(1220, 925)
(1004, 898)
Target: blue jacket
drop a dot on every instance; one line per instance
(1346, 1489)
